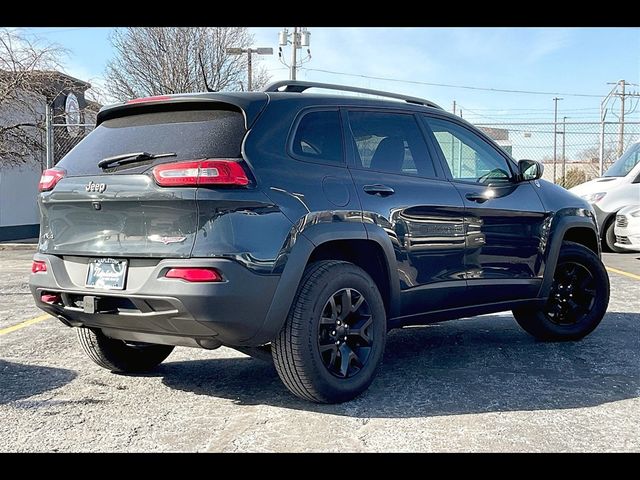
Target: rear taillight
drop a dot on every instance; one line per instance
(200, 172)
(50, 179)
(194, 274)
(38, 266)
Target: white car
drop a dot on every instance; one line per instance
(627, 228)
(618, 188)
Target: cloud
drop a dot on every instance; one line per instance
(478, 44)
(547, 41)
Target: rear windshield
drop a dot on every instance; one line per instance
(191, 134)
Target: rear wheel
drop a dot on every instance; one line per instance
(609, 237)
(577, 301)
(118, 356)
(332, 343)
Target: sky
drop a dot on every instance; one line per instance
(563, 60)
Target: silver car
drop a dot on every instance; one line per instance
(619, 187)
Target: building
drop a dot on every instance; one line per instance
(19, 175)
(500, 136)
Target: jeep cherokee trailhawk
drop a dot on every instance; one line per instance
(303, 226)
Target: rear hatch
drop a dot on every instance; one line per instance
(120, 209)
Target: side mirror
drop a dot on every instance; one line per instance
(530, 170)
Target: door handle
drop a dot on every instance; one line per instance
(380, 190)
(476, 197)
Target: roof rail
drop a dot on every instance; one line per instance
(300, 86)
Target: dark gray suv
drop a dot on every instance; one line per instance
(304, 227)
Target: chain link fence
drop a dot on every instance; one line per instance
(577, 143)
(62, 135)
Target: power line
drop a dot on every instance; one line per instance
(507, 114)
(535, 109)
(473, 115)
(531, 118)
(448, 85)
(539, 119)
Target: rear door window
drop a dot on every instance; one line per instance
(318, 138)
(191, 134)
(390, 142)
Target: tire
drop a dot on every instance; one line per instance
(556, 319)
(117, 356)
(314, 324)
(609, 237)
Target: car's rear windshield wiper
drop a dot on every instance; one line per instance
(125, 158)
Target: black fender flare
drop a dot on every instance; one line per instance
(298, 256)
(562, 221)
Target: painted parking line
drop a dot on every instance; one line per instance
(622, 272)
(26, 323)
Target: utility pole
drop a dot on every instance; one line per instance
(249, 52)
(603, 114)
(300, 37)
(454, 107)
(603, 117)
(621, 127)
(555, 134)
(564, 158)
(48, 120)
(294, 53)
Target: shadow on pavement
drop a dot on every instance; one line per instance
(18, 381)
(465, 366)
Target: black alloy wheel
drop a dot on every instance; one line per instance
(332, 342)
(345, 333)
(577, 300)
(573, 294)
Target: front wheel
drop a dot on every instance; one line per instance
(332, 342)
(577, 301)
(118, 356)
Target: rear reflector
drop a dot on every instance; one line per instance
(38, 266)
(200, 172)
(156, 98)
(195, 274)
(50, 178)
(50, 298)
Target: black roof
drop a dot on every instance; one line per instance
(252, 103)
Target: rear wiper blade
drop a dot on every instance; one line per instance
(125, 158)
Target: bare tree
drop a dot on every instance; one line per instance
(164, 60)
(26, 69)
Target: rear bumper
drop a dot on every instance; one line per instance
(159, 309)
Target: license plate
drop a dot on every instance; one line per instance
(106, 273)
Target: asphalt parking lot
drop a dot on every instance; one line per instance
(465, 385)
